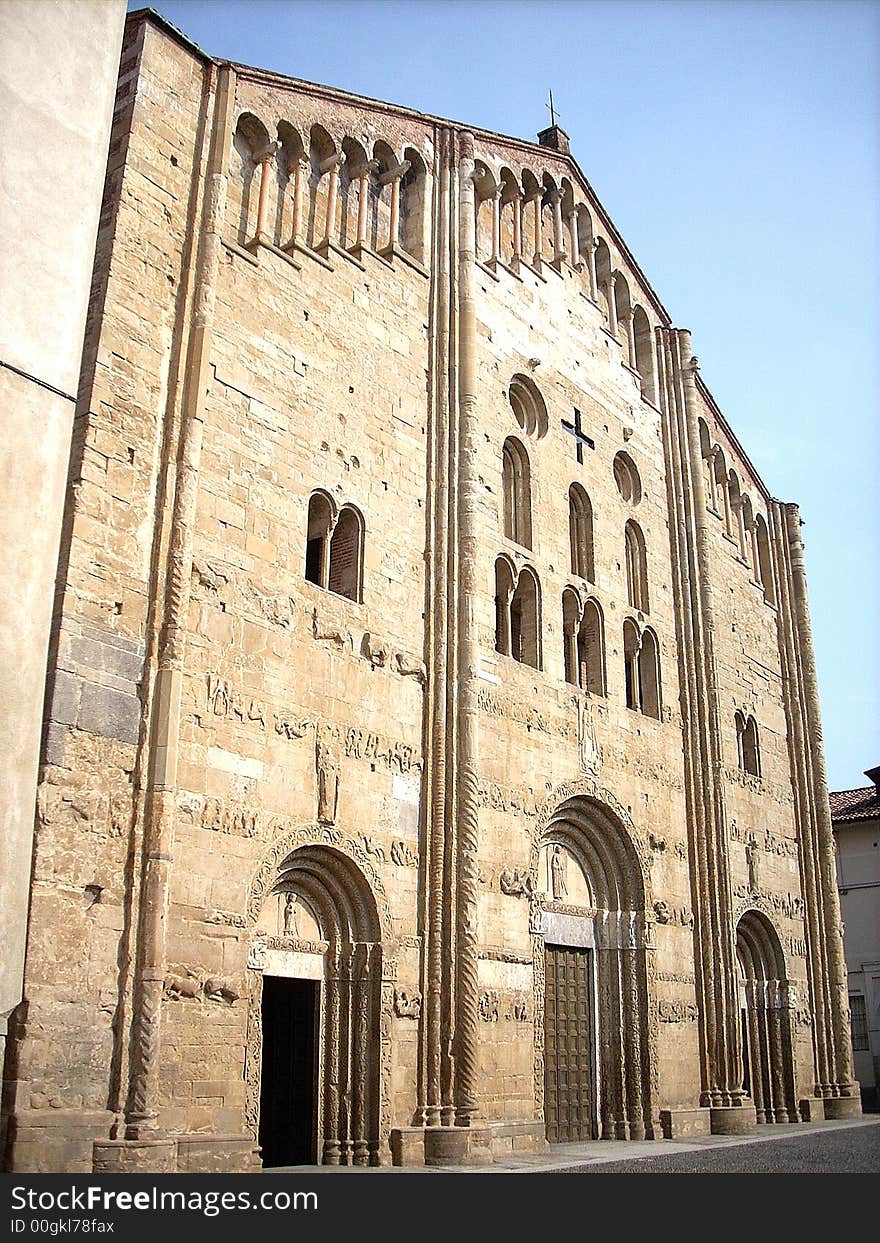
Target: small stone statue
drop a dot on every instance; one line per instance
(290, 916)
(328, 782)
(752, 854)
(557, 874)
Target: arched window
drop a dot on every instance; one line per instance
(516, 493)
(571, 619)
(736, 510)
(504, 584)
(626, 476)
(525, 620)
(250, 142)
(517, 614)
(764, 568)
(318, 538)
(414, 215)
(636, 567)
(591, 650)
(580, 532)
(649, 675)
(344, 575)
(708, 466)
(334, 547)
(528, 406)
(605, 286)
(322, 214)
(644, 347)
(486, 214)
(631, 646)
(510, 217)
(722, 496)
(641, 663)
(747, 745)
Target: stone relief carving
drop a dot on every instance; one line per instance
(290, 917)
(558, 868)
(375, 651)
(488, 1006)
(589, 752)
(752, 860)
(677, 1011)
(500, 705)
(403, 855)
(188, 985)
(662, 913)
(516, 882)
(407, 1006)
(291, 726)
(229, 919)
(327, 769)
(210, 577)
(397, 756)
(256, 959)
(410, 667)
(330, 631)
(656, 842)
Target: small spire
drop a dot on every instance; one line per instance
(554, 136)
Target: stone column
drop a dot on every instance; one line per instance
(574, 246)
(469, 501)
(558, 244)
(161, 776)
(591, 263)
(496, 226)
(300, 169)
(393, 176)
(332, 166)
(362, 175)
(629, 344)
(517, 226)
(846, 1101)
(264, 159)
(535, 199)
(612, 306)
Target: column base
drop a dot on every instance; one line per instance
(732, 1119)
(812, 1109)
(55, 1141)
(683, 1123)
(135, 1156)
(480, 1144)
(843, 1106)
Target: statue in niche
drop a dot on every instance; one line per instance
(752, 854)
(558, 886)
(588, 748)
(290, 915)
(328, 782)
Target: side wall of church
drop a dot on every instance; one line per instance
(67, 1060)
(759, 806)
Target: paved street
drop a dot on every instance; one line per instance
(847, 1150)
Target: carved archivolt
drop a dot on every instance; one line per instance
(334, 877)
(614, 857)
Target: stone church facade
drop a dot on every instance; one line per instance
(432, 763)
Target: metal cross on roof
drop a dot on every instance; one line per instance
(552, 109)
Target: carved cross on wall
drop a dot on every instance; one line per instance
(575, 429)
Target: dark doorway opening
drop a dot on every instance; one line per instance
(569, 1087)
(288, 1134)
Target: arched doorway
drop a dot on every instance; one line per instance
(591, 968)
(315, 1008)
(768, 1067)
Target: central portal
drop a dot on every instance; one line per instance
(288, 1130)
(569, 1096)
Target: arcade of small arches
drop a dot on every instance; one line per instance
(310, 192)
(745, 528)
(540, 223)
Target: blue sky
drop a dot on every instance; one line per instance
(735, 145)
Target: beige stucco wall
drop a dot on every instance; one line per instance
(58, 69)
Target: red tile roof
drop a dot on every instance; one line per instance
(862, 804)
